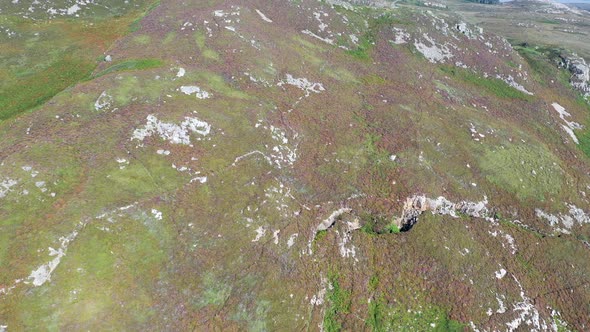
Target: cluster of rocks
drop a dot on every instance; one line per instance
(413, 207)
(368, 3)
(580, 72)
(416, 205)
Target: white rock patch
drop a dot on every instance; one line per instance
(346, 251)
(174, 133)
(181, 72)
(435, 52)
(43, 273)
(260, 231)
(528, 314)
(73, 9)
(500, 274)
(200, 179)
(563, 223)
(303, 84)
(328, 222)
(122, 162)
(157, 214)
(104, 101)
(501, 306)
(41, 186)
(282, 154)
(401, 36)
(318, 299)
(325, 40)
(569, 126)
(510, 81)
(5, 186)
(263, 17)
(193, 89)
(291, 240)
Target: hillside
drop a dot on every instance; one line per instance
(294, 165)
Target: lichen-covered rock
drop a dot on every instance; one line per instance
(580, 72)
(328, 222)
(416, 205)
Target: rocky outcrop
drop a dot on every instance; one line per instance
(464, 29)
(564, 222)
(328, 222)
(487, 2)
(580, 73)
(369, 3)
(416, 205)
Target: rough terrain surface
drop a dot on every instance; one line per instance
(294, 166)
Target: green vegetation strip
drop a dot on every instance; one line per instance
(367, 41)
(133, 64)
(584, 137)
(338, 304)
(135, 25)
(35, 90)
(543, 61)
(493, 86)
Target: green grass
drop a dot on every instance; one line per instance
(376, 225)
(584, 139)
(34, 90)
(215, 292)
(142, 177)
(561, 325)
(136, 25)
(492, 86)
(368, 229)
(363, 49)
(337, 304)
(384, 317)
(170, 36)
(366, 41)
(101, 267)
(142, 39)
(393, 228)
(584, 136)
(320, 235)
(218, 84)
(376, 316)
(543, 62)
(510, 167)
(378, 163)
(132, 64)
(373, 79)
(207, 52)
(371, 223)
(373, 283)
(404, 320)
(549, 21)
(53, 56)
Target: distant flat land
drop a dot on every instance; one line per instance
(581, 5)
(531, 22)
